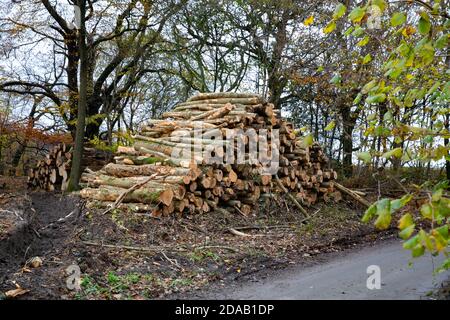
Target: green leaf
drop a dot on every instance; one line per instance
(358, 32)
(376, 98)
(434, 88)
(427, 211)
(411, 243)
(443, 231)
(426, 52)
(363, 41)
(367, 58)
(365, 157)
(380, 3)
(424, 26)
(441, 42)
(444, 207)
(384, 214)
(348, 31)
(370, 213)
(397, 153)
(308, 140)
(330, 126)
(407, 232)
(444, 266)
(425, 240)
(339, 11)
(404, 49)
(418, 251)
(388, 116)
(437, 195)
(330, 27)
(368, 86)
(441, 238)
(357, 99)
(398, 18)
(336, 79)
(357, 14)
(400, 203)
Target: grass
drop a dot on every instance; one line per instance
(202, 255)
(181, 282)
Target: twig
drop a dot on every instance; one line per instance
(217, 247)
(238, 210)
(238, 233)
(302, 210)
(123, 195)
(59, 220)
(172, 261)
(352, 194)
(156, 248)
(112, 246)
(13, 212)
(400, 185)
(262, 227)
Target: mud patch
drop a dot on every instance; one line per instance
(44, 230)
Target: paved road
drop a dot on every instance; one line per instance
(345, 277)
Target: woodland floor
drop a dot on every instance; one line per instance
(168, 258)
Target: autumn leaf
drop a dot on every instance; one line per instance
(357, 14)
(330, 126)
(330, 27)
(308, 21)
(408, 31)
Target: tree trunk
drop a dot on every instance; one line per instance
(347, 141)
(73, 58)
(75, 172)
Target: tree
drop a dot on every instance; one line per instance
(121, 36)
(75, 171)
(414, 74)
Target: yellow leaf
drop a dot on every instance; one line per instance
(405, 221)
(308, 21)
(330, 27)
(330, 126)
(408, 30)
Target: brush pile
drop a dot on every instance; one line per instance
(185, 162)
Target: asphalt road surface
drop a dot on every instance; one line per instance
(346, 277)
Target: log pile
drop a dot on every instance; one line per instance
(52, 172)
(183, 163)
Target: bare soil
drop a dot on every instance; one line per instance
(125, 255)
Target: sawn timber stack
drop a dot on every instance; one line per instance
(184, 163)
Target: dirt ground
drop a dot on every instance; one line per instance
(125, 255)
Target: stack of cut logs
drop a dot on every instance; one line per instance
(171, 167)
(52, 173)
